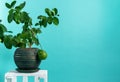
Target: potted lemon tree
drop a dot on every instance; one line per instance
(26, 58)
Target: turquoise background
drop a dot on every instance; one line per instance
(85, 47)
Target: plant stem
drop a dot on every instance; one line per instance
(39, 43)
(37, 37)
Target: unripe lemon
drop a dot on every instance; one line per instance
(42, 55)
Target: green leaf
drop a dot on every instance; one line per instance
(55, 21)
(37, 24)
(10, 16)
(38, 30)
(16, 39)
(55, 11)
(29, 21)
(1, 36)
(36, 41)
(11, 11)
(13, 4)
(17, 17)
(2, 28)
(8, 41)
(15, 42)
(44, 22)
(47, 10)
(0, 40)
(8, 5)
(40, 17)
(30, 41)
(0, 20)
(25, 27)
(52, 13)
(21, 6)
(49, 20)
(24, 17)
(40, 23)
(19, 41)
(21, 45)
(17, 8)
(9, 31)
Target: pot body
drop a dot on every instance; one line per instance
(26, 58)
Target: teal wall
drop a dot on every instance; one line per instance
(85, 47)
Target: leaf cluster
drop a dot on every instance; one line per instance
(28, 36)
(3, 30)
(51, 18)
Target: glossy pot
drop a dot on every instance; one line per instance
(26, 59)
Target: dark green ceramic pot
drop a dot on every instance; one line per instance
(26, 59)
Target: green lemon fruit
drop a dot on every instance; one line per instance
(42, 55)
